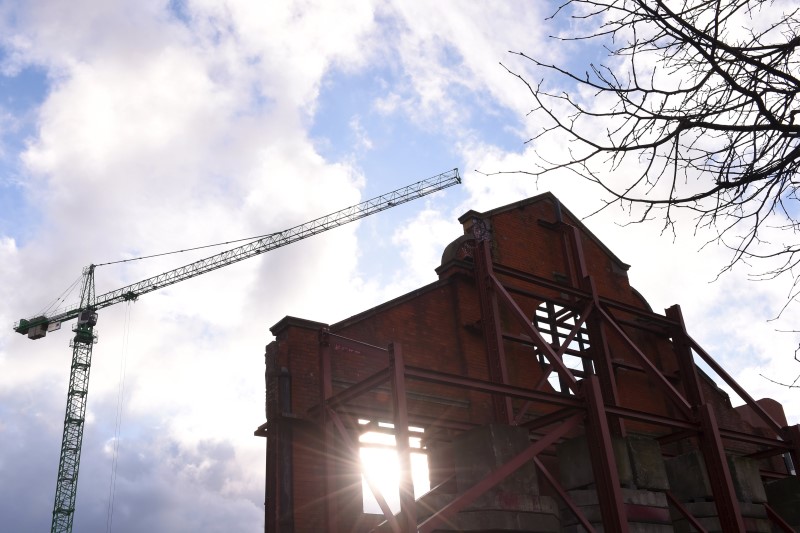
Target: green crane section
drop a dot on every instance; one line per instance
(69, 462)
(86, 312)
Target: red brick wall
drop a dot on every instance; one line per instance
(439, 328)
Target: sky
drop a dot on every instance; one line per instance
(137, 127)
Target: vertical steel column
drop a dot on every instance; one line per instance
(730, 515)
(353, 446)
(792, 434)
(272, 501)
(490, 320)
(285, 455)
(683, 351)
(408, 505)
(268, 493)
(604, 464)
(575, 255)
(597, 334)
(325, 392)
(719, 475)
(603, 366)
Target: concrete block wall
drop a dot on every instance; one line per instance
(690, 484)
(513, 504)
(642, 475)
(783, 496)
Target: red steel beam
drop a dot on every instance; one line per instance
(272, 511)
(533, 279)
(408, 505)
(655, 330)
(685, 512)
(537, 296)
(376, 491)
(604, 464)
(730, 515)
(511, 272)
(602, 355)
(339, 343)
(440, 518)
(525, 322)
(587, 309)
(650, 418)
(769, 452)
(792, 434)
(653, 372)
(492, 332)
(646, 315)
(776, 519)
(325, 375)
(564, 496)
(560, 353)
(356, 390)
(325, 392)
(683, 351)
(758, 440)
(432, 376)
(561, 350)
(676, 436)
(546, 371)
(414, 419)
(574, 238)
(735, 386)
(548, 419)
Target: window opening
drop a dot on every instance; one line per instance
(555, 322)
(379, 461)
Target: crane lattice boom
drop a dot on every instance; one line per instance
(36, 327)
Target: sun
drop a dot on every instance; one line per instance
(381, 465)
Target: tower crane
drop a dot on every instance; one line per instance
(86, 312)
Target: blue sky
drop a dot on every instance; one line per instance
(141, 127)
(20, 95)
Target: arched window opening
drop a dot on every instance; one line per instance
(555, 322)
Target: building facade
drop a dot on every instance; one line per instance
(529, 388)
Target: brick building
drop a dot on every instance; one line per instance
(539, 389)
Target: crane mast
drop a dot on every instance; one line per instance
(86, 312)
(69, 462)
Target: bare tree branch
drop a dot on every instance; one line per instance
(704, 97)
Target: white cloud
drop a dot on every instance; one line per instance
(362, 142)
(449, 53)
(422, 241)
(157, 135)
(162, 132)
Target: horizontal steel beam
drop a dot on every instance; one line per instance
(432, 376)
(362, 387)
(441, 517)
(340, 343)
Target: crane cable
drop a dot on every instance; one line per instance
(257, 237)
(63, 296)
(118, 420)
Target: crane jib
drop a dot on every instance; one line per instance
(37, 327)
